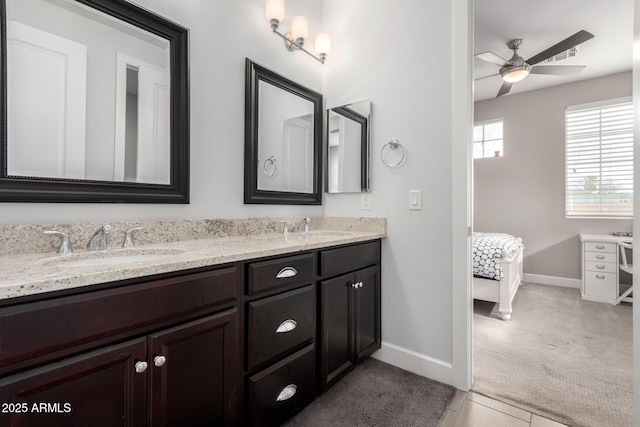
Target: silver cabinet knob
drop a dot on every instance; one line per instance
(140, 366)
(286, 273)
(287, 393)
(159, 360)
(287, 326)
(354, 285)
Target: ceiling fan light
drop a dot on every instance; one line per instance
(515, 73)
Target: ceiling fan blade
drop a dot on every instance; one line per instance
(506, 87)
(486, 77)
(557, 70)
(566, 44)
(492, 58)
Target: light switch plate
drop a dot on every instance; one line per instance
(415, 200)
(365, 202)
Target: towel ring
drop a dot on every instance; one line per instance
(392, 145)
(274, 166)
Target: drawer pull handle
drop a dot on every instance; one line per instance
(287, 326)
(159, 360)
(140, 366)
(600, 267)
(287, 393)
(357, 285)
(286, 272)
(599, 276)
(599, 246)
(600, 256)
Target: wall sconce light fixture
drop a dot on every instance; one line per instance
(294, 39)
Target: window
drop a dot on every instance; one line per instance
(487, 139)
(599, 159)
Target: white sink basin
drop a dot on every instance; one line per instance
(111, 257)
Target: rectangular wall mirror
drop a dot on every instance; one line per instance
(348, 148)
(283, 140)
(96, 103)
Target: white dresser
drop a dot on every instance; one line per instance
(600, 266)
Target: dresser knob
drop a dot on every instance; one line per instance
(287, 393)
(599, 246)
(599, 276)
(600, 267)
(159, 360)
(600, 256)
(287, 326)
(140, 366)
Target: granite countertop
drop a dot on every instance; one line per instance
(33, 273)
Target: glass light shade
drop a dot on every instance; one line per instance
(274, 9)
(323, 44)
(515, 74)
(299, 28)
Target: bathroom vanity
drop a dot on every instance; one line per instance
(247, 338)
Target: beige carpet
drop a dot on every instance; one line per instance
(559, 356)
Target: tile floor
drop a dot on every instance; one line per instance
(475, 410)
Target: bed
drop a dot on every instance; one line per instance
(497, 269)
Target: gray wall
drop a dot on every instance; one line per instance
(522, 193)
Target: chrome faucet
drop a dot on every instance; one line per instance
(305, 222)
(99, 240)
(65, 247)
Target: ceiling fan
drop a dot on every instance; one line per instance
(517, 68)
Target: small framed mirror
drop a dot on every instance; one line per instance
(96, 103)
(348, 148)
(283, 140)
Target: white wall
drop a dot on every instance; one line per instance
(523, 193)
(398, 55)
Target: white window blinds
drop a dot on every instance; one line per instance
(599, 159)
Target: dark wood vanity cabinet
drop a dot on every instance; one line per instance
(170, 358)
(249, 343)
(349, 311)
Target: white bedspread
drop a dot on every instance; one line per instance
(488, 249)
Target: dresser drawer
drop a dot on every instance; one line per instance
(600, 285)
(601, 257)
(267, 275)
(280, 391)
(279, 323)
(600, 247)
(343, 260)
(61, 323)
(607, 267)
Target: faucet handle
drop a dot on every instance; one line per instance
(307, 220)
(285, 229)
(65, 247)
(128, 239)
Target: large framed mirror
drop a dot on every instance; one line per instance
(283, 140)
(96, 103)
(349, 148)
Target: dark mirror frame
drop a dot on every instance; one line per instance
(364, 145)
(36, 189)
(252, 195)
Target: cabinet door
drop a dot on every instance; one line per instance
(99, 388)
(336, 355)
(367, 311)
(194, 372)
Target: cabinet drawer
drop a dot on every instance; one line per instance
(36, 329)
(267, 275)
(343, 260)
(279, 323)
(600, 257)
(280, 391)
(600, 285)
(600, 247)
(607, 267)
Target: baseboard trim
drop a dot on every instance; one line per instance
(417, 363)
(563, 282)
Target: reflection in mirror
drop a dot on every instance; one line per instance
(348, 148)
(283, 137)
(94, 91)
(285, 132)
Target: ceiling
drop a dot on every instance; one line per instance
(543, 23)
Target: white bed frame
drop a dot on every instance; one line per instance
(502, 291)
